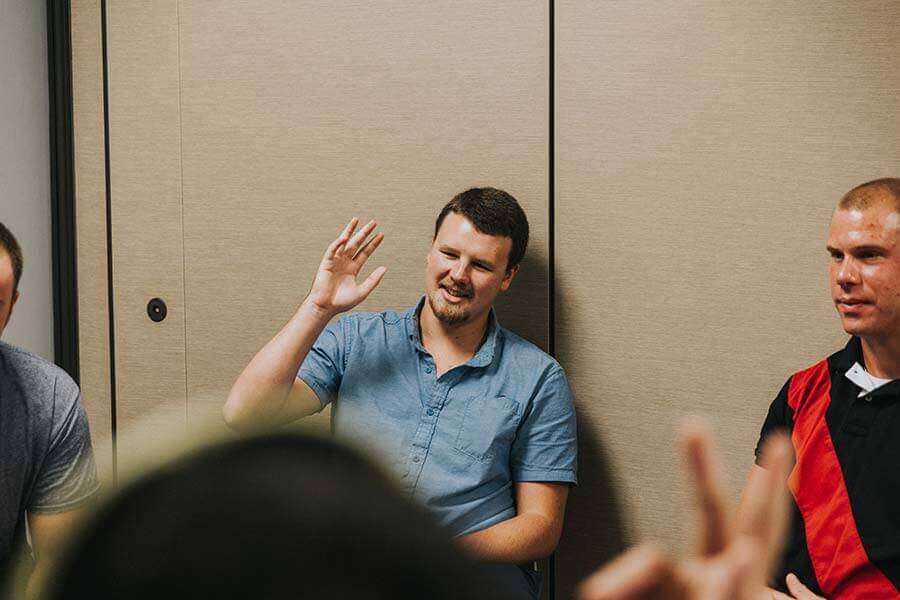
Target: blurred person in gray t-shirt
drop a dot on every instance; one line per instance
(47, 469)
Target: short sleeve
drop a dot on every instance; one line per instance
(779, 417)
(68, 474)
(545, 448)
(323, 367)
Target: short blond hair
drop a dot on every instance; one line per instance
(871, 193)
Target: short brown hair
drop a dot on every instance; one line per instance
(871, 193)
(9, 243)
(493, 212)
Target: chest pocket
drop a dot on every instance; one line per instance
(488, 427)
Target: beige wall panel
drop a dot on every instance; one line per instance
(145, 172)
(701, 148)
(90, 205)
(298, 116)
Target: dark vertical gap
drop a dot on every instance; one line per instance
(109, 247)
(551, 243)
(62, 190)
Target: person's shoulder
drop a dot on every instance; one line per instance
(33, 370)
(387, 317)
(525, 352)
(39, 383)
(826, 364)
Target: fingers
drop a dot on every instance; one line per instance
(341, 239)
(748, 561)
(353, 244)
(765, 503)
(642, 572)
(778, 458)
(372, 281)
(366, 251)
(800, 591)
(697, 444)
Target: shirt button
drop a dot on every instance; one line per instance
(428, 369)
(416, 459)
(430, 412)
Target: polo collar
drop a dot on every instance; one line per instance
(850, 362)
(485, 354)
(852, 353)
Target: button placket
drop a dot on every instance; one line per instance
(421, 442)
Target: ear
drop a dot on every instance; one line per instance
(508, 278)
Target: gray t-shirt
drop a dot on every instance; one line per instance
(46, 459)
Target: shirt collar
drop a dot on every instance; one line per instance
(850, 364)
(852, 353)
(485, 354)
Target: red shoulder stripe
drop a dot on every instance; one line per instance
(838, 557)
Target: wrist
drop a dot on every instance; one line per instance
(310, 311)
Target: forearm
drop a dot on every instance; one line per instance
(521, 539)
(259, 395)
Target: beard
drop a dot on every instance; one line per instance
(448, 314)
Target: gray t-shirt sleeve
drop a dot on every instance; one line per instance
(67, 476)
(323, 368)
(546, 448)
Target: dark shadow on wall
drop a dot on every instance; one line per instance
(595, 529)
(523, 308)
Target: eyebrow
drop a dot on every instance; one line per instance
(864, 248)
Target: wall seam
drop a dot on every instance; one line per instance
(551, 226)
(181, 165)
(109, 246)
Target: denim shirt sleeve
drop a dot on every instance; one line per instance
(545, 448)
(323, 367)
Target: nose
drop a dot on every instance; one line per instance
(460, 273)
(847, 273)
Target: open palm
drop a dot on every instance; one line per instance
(335, 288)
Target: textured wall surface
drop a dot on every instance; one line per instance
(25, 168)
(145, 190)
(90, 220)
(297, 116)
(701, 147)
(244, 135)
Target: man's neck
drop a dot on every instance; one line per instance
(462, 339)
(882, 356)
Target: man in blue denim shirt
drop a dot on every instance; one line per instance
(475, 422)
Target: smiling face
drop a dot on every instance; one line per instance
(865, 269)
(466, 270)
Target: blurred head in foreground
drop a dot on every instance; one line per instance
(275, 516)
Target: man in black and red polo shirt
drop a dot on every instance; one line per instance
(843, 414)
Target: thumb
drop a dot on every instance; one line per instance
(372, 281)
(800, 591)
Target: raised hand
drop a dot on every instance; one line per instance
(335, 288)
(731, 562)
